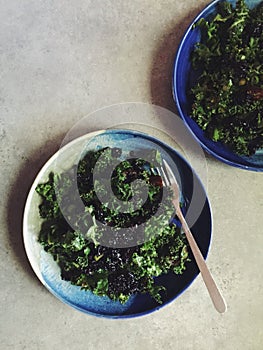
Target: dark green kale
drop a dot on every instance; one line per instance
(227, 97)
(110, 271)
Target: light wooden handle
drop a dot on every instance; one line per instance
(211, 286)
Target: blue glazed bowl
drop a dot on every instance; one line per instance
(48, 271)
(183, 79)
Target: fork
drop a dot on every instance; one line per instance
(169, 180)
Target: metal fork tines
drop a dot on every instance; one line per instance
(169, 180)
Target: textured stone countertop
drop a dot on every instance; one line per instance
(62, 60)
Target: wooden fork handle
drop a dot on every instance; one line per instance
(211, 286)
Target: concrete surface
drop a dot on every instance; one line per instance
(61, 60)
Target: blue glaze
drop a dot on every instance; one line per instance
(137, 305)
(183, 79)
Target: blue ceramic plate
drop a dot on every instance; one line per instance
(183, 79)
(47, 270)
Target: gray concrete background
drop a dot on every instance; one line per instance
(60, 60)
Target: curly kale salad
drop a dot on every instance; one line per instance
(227, 98)
(111, 271)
